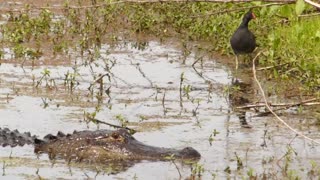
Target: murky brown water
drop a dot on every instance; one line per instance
(138, 82)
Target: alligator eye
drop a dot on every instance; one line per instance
(115, 135)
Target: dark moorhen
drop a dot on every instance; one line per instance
(243, 41)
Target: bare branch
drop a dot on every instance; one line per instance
(308, 102)
(312, 3)
(245, 8)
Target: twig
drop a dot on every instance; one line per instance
(287, 105)
(288, 152)
(279, 109)
(163, 104)
(114, 77)
(276, 3)
(312, 3)
(271, 67)
(180, 89)
(269, 108)
(195, 62)
(264, 144)
(194, 111)
(200, 74)
(109, 124)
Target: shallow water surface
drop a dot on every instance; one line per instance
(144, 87)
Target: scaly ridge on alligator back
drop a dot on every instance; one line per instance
(15, 138)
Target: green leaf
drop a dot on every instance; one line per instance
(318, 34)
(300, 5)
(286, 11)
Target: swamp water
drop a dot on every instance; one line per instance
(170, 103)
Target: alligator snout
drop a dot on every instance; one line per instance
(190, 153)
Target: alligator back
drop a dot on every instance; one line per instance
(15, 138)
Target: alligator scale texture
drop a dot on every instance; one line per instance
(95, 146)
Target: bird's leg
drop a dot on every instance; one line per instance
(234, 78)
(237, 63)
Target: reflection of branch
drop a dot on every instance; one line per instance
(195, 62)
(163, 105)
(200, 74)
(122, 80)
(288, 151)
(137, 65)
(264, 144)
(180, 90)
(98, 79)
(268, 106)
(194, 111)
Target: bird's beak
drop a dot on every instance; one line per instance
(253, 15)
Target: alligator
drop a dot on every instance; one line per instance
(95, 146)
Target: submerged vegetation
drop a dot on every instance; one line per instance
(289, 43)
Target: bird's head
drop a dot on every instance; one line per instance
(249, 15)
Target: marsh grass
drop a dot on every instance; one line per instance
(283, 37)
(299, 47)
